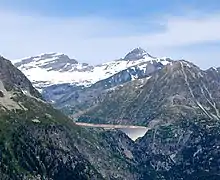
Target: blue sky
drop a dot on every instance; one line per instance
(96, 31)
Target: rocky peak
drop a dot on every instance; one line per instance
(50, 61)
(136, 54)
(182, 64)
(13, 79)
(213, 69)
(214, 73)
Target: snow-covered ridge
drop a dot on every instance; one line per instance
(57, 68)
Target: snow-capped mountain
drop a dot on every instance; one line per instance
(56, 68)
(136, 54)
(53, 68)
(74, 86)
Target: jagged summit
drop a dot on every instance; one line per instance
(136, 54)
(54, 61)
(52, 68)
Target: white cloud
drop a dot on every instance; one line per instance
(182, 31)
(95, 39)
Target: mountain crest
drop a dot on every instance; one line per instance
(56, 60)
(14, 79)
(136, 54)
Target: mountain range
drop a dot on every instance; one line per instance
(56, 68)
(39, 142)
(73, 87)
(177, 101)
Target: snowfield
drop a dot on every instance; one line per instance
(56, 68)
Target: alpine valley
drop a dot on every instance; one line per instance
(38, 142)
(177, 102)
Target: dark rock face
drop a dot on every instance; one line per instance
(13, 78)
(1, 94)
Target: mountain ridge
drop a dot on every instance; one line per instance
(178, 102)
(78, 87)
(54, 65)
(124, 97)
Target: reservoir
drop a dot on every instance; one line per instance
(134, 132)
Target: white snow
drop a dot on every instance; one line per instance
(78, 74)
(25, 92)
(36, 120)
(214, 68)
(197, 152)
